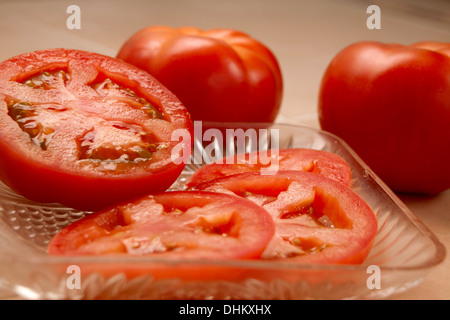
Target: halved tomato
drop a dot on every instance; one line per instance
(85, 130)
(317, 161)
(171, 225)
(317, 219)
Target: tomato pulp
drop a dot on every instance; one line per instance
(85, 130)
(317, 220)
(219, 74)
(172, 225)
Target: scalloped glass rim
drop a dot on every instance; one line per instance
(405, 250)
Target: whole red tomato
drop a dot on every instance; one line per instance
(219, 74)
(391, 103)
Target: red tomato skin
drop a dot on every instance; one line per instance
(44, 184)
(219, 74)
(40, 178)
(391, 104)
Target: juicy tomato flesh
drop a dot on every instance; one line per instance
(119, 141)
(317, 219)
(183, 224)
(317, 161)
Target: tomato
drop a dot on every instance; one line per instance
(391, 104)
(316, 161)
(317, 219)
(171, 225)
(218, 74)
(85, 130)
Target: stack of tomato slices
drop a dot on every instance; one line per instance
(92, 132)
(303, 213)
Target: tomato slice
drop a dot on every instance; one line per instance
(317, 219)
(85, 130)
(309, 160)
(171, 225)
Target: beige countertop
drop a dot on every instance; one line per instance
(304, 35)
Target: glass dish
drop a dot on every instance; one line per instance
(403, 253)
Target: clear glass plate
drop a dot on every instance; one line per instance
(403, 253)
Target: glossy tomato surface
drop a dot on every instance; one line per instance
(300, 159)
(391, 104)
(85, 130)
(171, 225)
(218, 74)
(317, 220)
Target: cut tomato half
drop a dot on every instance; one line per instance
(309, 160)
(317, 219)
(86, 130)
(172, 225)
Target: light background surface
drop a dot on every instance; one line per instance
(304, 36)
